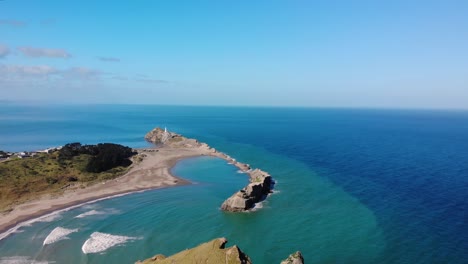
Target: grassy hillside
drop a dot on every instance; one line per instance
(22, 180)
(212, 252)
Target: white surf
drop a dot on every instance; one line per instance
(59, 233)
(100, 242)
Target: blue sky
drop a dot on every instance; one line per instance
(402, 54)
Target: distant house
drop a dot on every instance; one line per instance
(23, 155)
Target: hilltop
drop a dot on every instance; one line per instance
(24, 177)
(214, 252)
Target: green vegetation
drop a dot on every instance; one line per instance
(74, 165)
(103, 156)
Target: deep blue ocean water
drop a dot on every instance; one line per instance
(354, 185)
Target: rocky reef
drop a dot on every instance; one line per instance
(259, 187)
(295, 258)
(261, 183)
(214, 252)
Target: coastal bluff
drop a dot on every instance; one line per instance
(213, 252)
(261, 183)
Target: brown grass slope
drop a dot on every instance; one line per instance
(26, 179)
(213, 252)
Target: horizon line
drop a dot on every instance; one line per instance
(48, 103)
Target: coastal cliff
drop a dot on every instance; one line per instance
(214, 252)
(261, 183)
(295, 258)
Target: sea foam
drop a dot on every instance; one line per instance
(96, 212)
(59, 233)
(56, 214)
(89, 213)
(45, 218)
(99, 242)
(21, 260)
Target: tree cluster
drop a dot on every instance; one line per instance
(104, 156)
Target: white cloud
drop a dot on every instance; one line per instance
(25, 71)
(43, 52)
(81, 73)
(4, 51)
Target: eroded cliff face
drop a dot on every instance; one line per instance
(213, 252)
(294, 258)
(259, 187)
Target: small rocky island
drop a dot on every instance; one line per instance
(260, 185)
(214, 252)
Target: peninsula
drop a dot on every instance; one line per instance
(150, 169)
(260, 184)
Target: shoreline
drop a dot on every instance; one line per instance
(4, 233)
(153, 172)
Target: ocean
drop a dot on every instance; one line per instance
(353, 185)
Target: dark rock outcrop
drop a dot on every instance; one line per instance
(259, 187)
(295, 258)
(161, 136)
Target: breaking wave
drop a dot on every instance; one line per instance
(59, 233)
(96, 212)
(99, 242)
(89, 213)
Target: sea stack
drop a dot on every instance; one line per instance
(256, 191)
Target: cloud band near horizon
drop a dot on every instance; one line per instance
(44, 52)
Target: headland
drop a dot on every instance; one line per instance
(152, 171)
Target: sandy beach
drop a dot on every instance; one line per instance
(153, 172)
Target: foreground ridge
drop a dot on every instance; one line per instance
(214, 252)
(294, 258)
(261, 183)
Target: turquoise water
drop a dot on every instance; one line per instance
(354, 186)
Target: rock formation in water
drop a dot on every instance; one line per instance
(260, 184)
(256, 191)
(212, 252)
(295, 258)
